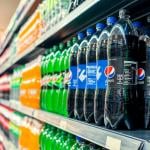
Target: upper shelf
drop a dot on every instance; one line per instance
(88, 13)
(9, 35)
(113, 140)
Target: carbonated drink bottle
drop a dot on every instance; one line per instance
(53, 92)
(69, 142)
(101, 80)
(121, 74)
(62, 140)
(81, 75)
(76, 145)
(91, 75)
(53, 143)
(73, 74)
(147, 83)
(141, 73)
(49, 83)
(66, 79)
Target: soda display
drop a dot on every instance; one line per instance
(73, 74)
(101, 64)
(121, 75)
(91, 74)
(141, 73)
(81, 75)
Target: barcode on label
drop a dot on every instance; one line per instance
(113, 143)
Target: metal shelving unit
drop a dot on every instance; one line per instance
(87, 13)
(113, 140)
(9, 36)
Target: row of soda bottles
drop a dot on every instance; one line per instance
(21, 130)
(102, 76)
(53, 138)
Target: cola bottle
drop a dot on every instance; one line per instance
(121, 73)
(101, 81)
(147, 80)
(81, 75)
(141, 73)
(73, 73)
(91, 75)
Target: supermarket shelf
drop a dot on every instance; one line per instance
(9, 36)
(87, 13)
(6, 142)
(113, 140)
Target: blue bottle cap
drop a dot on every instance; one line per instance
(78, 139)
(111, 20)
(100, 26)
(81, 35)
(137, 24)
(90, 31)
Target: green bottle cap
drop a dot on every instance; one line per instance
(61, 46)
(55, 48)
(50, 50)
(74, 40)
(69, 43)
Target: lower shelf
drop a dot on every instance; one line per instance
(113, 140)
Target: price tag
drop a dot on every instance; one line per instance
(113, 143)
(63, 124)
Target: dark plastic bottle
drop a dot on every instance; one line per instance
(81, 75)
(73, 74)
(147, 83)
(121, 75)
(141, 73)
(101, 82)
(91, 75)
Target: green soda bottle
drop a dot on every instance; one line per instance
(61, 87)
(76, 145)
(62, 140)
(69, 142)
(49, 85)
(42, 137)
(84, 145)
(53, 142)
(49, 137)
(45, 86)
(58, 76)
(53, 92)
(66, 65)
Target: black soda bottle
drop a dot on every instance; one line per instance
(91, 75)
(147, 82)
(121, 73)
(141, 73)
(101, 82)
(81, 75)
(73, 73)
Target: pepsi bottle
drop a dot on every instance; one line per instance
(73, 74)
(101, 81)
(91, 75)
(121, 72)
(141, 73)
(81, 75)
(147, 83)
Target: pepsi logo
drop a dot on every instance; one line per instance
(141, 74)
(109, 72)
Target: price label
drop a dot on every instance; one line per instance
(63, 124)
(113, 143)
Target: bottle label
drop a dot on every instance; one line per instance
(130, 73)
(141, 73)
(91, 75)
(81, 76)
(101, 76)
(73, 77)
(114, 72)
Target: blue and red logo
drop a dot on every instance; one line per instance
(141, 74)
(109, 72)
